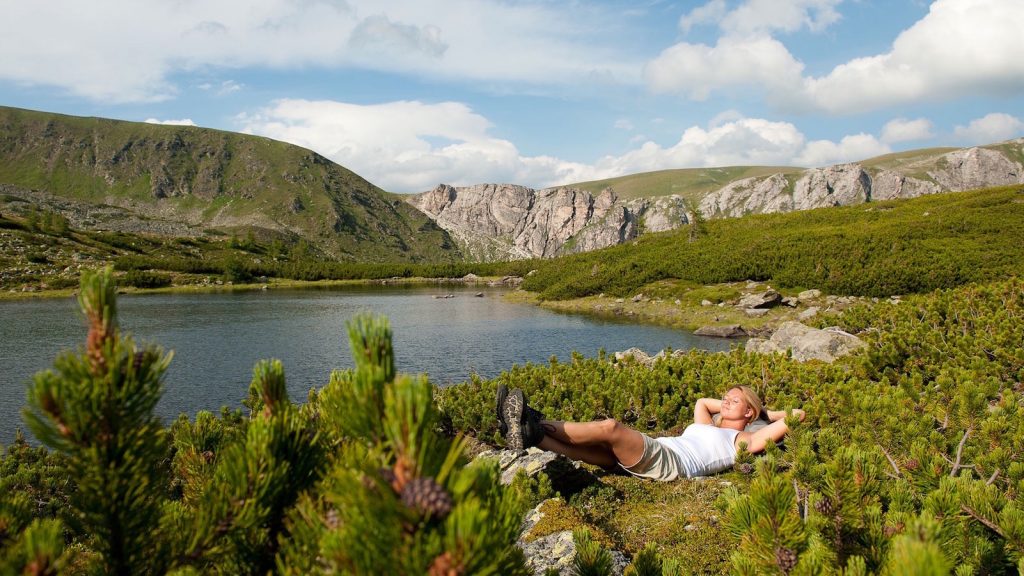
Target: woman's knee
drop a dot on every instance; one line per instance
(611, 428)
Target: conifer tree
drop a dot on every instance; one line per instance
(96, 407)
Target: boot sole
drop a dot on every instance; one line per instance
(513, 411)
(499, 403)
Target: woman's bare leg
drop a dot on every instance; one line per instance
(603, 442)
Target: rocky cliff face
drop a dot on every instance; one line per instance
(498, 221)
(847, 184)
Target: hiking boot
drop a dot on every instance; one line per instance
(502, 394)
(524, 429)
(498, 404)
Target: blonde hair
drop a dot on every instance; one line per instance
(752, 399)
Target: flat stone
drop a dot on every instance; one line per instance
(765, 299)
(726, 331)
(808, 295)
(808, 314)
(756, 312)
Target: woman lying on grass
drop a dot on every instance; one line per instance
(704, 448)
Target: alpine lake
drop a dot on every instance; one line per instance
(449, 332)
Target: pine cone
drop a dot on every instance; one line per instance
(444, 565)
(785, 559)
(746, 468)
(825, 506)
(427, 497)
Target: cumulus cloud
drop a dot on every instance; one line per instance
(961, 47)
(411, 146)
(698, 69)
(712, 12)
(903, 130)
(990, 128)
(850, 149)
(128, 52)
(182, 122)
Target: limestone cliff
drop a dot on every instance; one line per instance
(498, 221)
(847, 184)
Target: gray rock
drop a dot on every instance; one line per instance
(808, 295)
(706, 303)
(532, 461)
(807, 343)
(556, 550)
(791, 301)
(808, 314)
(755, 312)
(765, 299)
(502, 221)
(727, 331)
(637, 355)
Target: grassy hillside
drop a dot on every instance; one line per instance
(691, 183)
(210, 179)
(876, 249)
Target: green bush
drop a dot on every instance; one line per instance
(877, 249)
(146, 279)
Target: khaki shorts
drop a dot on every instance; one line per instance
(657, 463)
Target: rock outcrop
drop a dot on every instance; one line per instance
(501, 221)
(807, 343)
(849, 184)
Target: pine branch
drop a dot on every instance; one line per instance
(891, 461)
(959, 454)
(988, 523)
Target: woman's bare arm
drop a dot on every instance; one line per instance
(704, 409)
(756, 441)
(774, 415)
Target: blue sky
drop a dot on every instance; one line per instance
(413, 93)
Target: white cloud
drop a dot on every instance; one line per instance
(128, 52)
(624, 124)
(989, 129)
(764, 16)
(396, 145)
(712, 12)
(903, 130)
(960, 48)
(698, 69)
(410, 146)
(749, 141)
(850, 149)
(182, 122)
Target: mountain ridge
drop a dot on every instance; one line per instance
(470, 213)
(205, 179)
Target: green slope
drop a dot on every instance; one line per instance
(691, 183)
(884, 248)
(214, 179)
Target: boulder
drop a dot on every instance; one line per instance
(470, 278)
(808, 314)
(765, 299)
(808, 295)
(555, 551)
(727, 331)
(566, 476)
(755, 312)
(637, 355)
(807, 343)
(791, 301)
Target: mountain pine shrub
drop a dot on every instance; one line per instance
(358, 480)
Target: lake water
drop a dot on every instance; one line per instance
(217, 338)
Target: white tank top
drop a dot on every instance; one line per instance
(703, 449)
